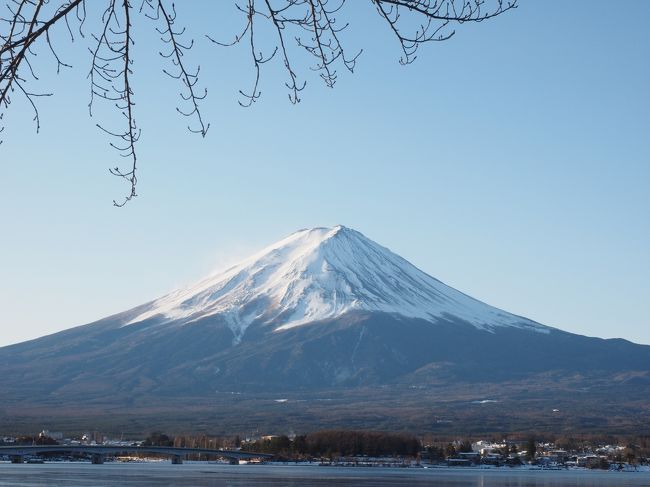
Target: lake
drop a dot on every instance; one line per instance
(204, 474)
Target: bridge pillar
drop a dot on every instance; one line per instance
(17, 459)
(177, 460)
(97, 459)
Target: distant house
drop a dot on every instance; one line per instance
(486, 447)
(558, 456)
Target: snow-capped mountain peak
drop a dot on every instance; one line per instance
(322, 273)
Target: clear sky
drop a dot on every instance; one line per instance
(511, 162)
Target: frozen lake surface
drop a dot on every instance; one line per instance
(204, 474)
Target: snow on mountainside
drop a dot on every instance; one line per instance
(323, 273)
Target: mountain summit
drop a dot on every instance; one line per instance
(318, 274)
(324, 329)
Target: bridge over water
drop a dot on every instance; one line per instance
(99, 452)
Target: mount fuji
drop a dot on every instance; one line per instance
(319, 274)
(324, 328)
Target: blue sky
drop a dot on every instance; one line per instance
(511, 162)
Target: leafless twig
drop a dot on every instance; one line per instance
(308, 25)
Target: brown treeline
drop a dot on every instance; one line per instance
(337, 443)
(318, 444)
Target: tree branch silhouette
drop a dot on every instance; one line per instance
(311, 26)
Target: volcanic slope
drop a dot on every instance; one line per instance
(326, 309)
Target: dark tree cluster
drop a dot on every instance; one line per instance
(465, 446)
(110, 29)
(340, 443)
(36, 440)
(435, 453)
(158, 439)
(531, 449)
(278, 445)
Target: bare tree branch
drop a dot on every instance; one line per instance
(311, 26)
